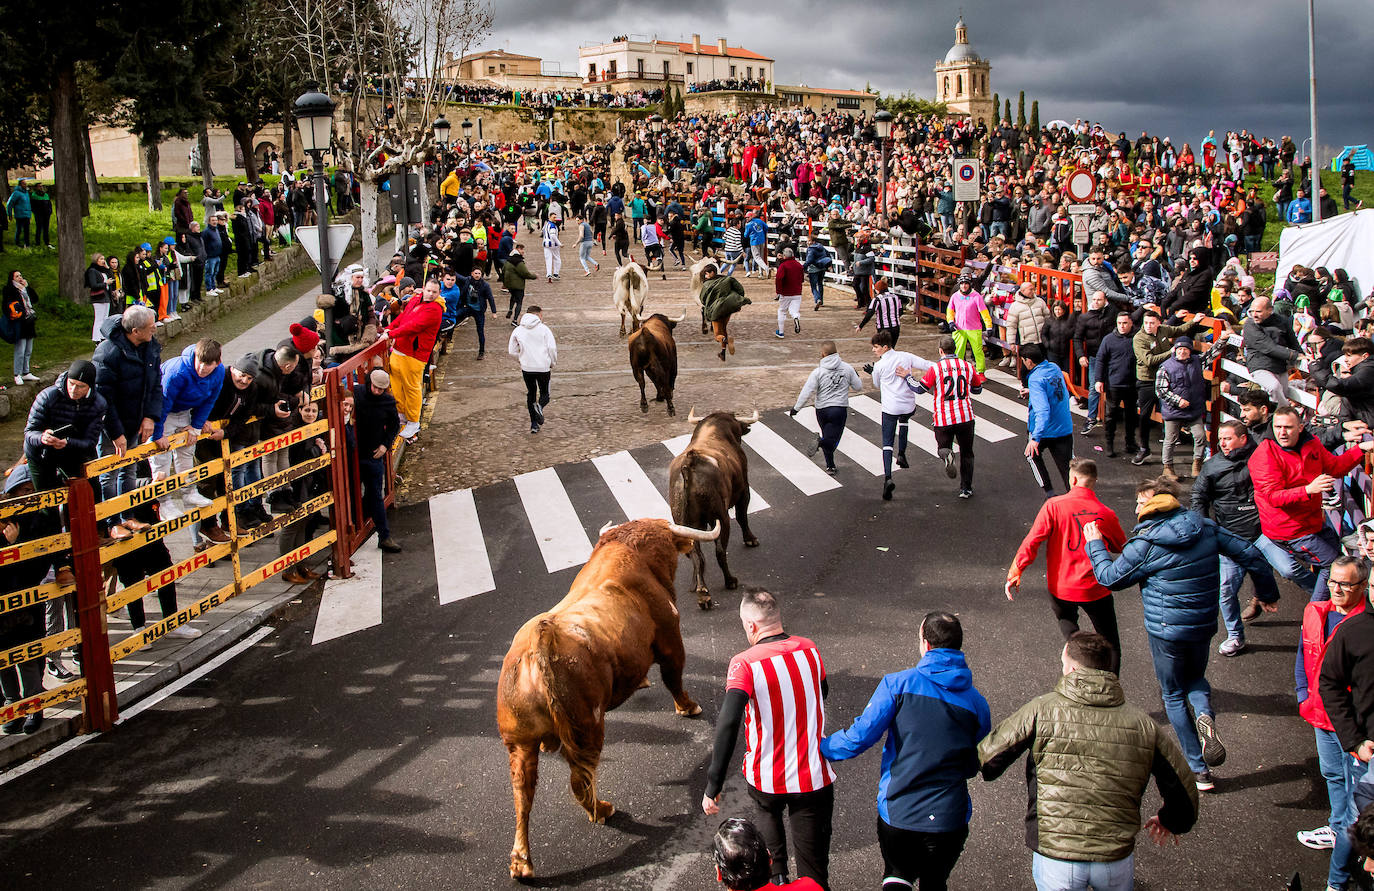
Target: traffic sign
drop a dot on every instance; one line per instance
(967, 179)
(1080, 185)
(1088, 209)
(339, 236)
(1080, 228)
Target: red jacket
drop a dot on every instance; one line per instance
(1314, 642)
(1061, 520)
(1280, 475)
(789, 278)
(417, 327)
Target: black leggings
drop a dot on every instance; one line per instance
(963, 434)
(921, 860)
(1061, 452)
(832, 421)
(894, 426)
(517, 302)
(621, 254)
(1147, 400)
(1103, 615)
(536, 390)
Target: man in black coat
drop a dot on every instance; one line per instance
(1089, 329)
(128, 375)
(1116, 381)
(64, 426)
(377, 424)
(1356, 387)
(1270, 349)
(192, 244)
(244, 244)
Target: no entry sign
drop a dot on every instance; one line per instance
(1081, 185)
(967, 179)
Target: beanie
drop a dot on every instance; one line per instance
(248, 364)
(82, 371)
(1183, 341)
(303, 339)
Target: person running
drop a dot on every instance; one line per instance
(968, 314)
(533, 344)
(1069, 573)
(776, 688)
(891, 374)
(933, 718)
(954, 381)
(653, 245)
(553, 256)
(1049, 423)
(886, 308)
(788, 285)
(830, 383)
(721, 297)
(586, 242)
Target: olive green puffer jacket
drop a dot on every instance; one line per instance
(1091, 759)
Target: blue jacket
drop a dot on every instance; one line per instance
(1300, 211)
(19, 207)
(1172, 555)
(756, 231)
(1049, 403)
(214, 244)
(455, 299)
(933, 717)
(183, 390)
(817, 255)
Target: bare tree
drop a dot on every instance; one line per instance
(384, 60)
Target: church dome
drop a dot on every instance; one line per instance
(961, 52)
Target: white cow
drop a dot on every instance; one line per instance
(631, 291)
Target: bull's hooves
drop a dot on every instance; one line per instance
(644, 407)
(705, 603)
(671, 411)
(688, 713)
(604, 811)
(732, 583)
(751, 542)
(521, 868)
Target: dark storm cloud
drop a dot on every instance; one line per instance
(1173, 68)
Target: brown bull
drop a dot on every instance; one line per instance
(569, 666)
(653, 352)
(704, 482)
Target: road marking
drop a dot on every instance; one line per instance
(917, 435)
(678, 444)
(983, 428)
(1010, 380)
(461, 564)
(630, 485)
(142, 705)
(352, 604)
(861, 451)
(562, 540)
(798, 469)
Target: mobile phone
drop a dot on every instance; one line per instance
(63, 431)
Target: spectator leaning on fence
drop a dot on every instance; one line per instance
(191, 385)
(1271, 349)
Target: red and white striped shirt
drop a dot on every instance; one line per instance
(953, 381)
(785, 719)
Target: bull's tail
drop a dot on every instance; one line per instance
(554, 681)
(677, 495)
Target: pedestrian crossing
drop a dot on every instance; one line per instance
(547, 520)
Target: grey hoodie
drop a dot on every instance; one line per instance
(831, 383)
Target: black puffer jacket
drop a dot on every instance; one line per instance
(1356, 391)
(53, 410)
(1270, 346)
(129, 378)
(1224, 489)
(1058, 334)
(20, 626)
(1090, 327)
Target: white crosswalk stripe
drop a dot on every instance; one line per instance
(984, 429)
(1007, 406)
(562, 540)
(852, 445)
(630, 485)
(918, 435)
(352, 604)
(678, 444)
(461, 564)
(798, 469)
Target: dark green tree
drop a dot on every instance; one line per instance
(1035, 117)
(910, 103)
(1021, 109)
(996, 104)
(1006, 109)
(25, 140)
(251, 89)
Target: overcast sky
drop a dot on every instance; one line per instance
(1172, 67)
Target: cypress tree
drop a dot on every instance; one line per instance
(1021, 109)
(1035, 116)
(1006, 110)
(996, 103)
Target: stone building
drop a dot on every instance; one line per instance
(629, 63)
(961, 79)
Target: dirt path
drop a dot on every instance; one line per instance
(479, 432)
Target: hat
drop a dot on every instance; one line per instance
(1183, 341)
(83, 371)
(169, 240)
(379, 378)
(248, 364)
(303, 339)
(145, 246)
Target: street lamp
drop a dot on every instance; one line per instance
(442, 129)
(467, 135)
(882, 129)
(314, 113)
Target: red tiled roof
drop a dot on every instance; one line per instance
(711, 49)
(784, 88)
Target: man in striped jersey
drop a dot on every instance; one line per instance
(953, 381)
(777, 687)
(886, 308)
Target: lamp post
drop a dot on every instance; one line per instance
(467, 137)
(656, 125)
(1316, 196)
(314, 113)
(882, 129)
(442, 131)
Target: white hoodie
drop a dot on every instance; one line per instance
(533, 344)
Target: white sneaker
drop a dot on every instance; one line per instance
(410, 429)
(195, 500)
(1319, 839)
(18, 381)
(170, 508)
(30, 376)
(172, 317)
(184, 631)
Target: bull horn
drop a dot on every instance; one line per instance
(692, 416)
(696, 534)
(753, 420)
(610, 524)
(679, 318)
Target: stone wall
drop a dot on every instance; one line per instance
(727, 102)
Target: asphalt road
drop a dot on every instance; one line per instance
(372, 759)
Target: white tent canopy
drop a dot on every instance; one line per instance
(1345, 241)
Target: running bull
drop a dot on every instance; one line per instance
(569, 666)
(653, 352)
(705, 481)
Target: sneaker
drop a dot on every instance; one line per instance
(1213, 752)
(463, 321)
(778, 334)
(174, 317)
(534, 428)
(32, 723)
(888, 488)
(1088, 427)
(390, 545)
(1140, 457)
(830, 470)
(184, 632)
(1319, 839)
(796, 325)
(171, 508)
(1231, 646)
(965, 494)
(410, 429)
(9, 728)
(195, 499)
(1204, 781)
(947, 456)
(18, 381)
(30, 376)
(60, 671)
(814, 447)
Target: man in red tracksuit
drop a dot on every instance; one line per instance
(1291, 471)
(412, 337)
(1070, 575)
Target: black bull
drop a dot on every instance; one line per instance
(653, 352)
(704, 482)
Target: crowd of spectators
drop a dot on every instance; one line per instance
(732, 83)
